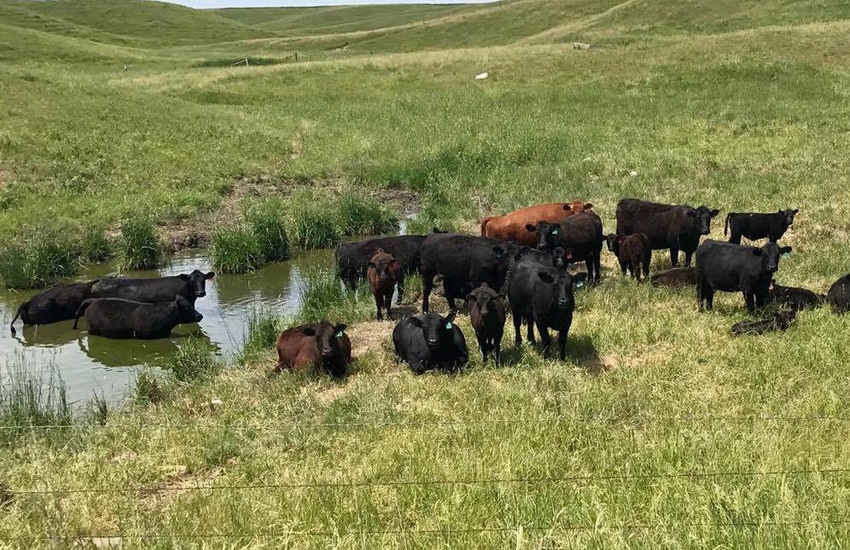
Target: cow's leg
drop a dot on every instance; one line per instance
(562, 342)
(588, 265)
(735, 237)
(388, 303)
(530, 323)
(749, 299)
(482, 345)
(400, 284)
(674, 256)
(597, 263)
(623, 266)
(688, 256)
(427, 287)
(646, 269)
(761, 298)
(517, 328)
(545, 338)
(497, 346)
(379, 305)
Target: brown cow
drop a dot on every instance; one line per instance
(383, 273)
(322, 344)
(511, 227)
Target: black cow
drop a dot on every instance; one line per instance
(734, 267)
(60, 303)
(159, 289)
(794, 297)
(634, 252)
(668, 226)
(580, 236)
(352, 258)
(543, 296)
(758, 226)
(429, 341)
(675, 277)
(552, 258)
(487, 315)
(464, 261)
(118, 318)
(839, 295)
(779, 321)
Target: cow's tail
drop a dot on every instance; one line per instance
(484, 223)
(82, 311)
(17, 314)
(726, 226)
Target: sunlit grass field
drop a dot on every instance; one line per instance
(661, 430)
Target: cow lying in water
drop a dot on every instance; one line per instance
(60, 303)
(159, 289)
(733, 267)
(323, 345)
(117, 318)
(779, 321)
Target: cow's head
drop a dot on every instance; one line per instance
(327, 337)
(547, 234)
(483, 297)
(438, 331)
(198, 281)
(702, 218)
(770, 254)
(383, 264)
(186, 312)
(577, 206)
(614, 242)
(788, 217)
(561, 285)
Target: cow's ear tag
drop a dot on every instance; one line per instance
(449, 324)
(555, 232)
(785, 254)
(339, 334)
(579, 284)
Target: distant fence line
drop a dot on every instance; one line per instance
(114, 539)
(548, 480)
(426, 424)
(264, 61)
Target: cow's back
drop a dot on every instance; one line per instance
(153, 290)
(723, 265)
(657, 221)
(296, 350)
(839, 295)
(511, 227)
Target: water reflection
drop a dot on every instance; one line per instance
(89, 363)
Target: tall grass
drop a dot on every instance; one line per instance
(95, 246)
(235, 249)
(149, 387)
(140, 245)
(364, 216)
(323, 296)
(261, 334)
(313, 225)
(42, 256)
(31, 397)
(194, 361)
(269, 229)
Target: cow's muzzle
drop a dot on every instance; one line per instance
(200, 293)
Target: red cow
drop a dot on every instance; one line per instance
(383, 273)
(511, 227)
(322, 344)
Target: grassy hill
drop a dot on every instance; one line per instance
(661, 429)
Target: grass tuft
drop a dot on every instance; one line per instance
(262, 333)
(235, 250)
(95, 246)
(31, 397)
(43, 256)
(313, 223)
(364, 216)
(97, 409)
(269, 229)
(149, 388)
(194, 361)
(323, 296)
(140, 246)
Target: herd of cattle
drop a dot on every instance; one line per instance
(519, 264)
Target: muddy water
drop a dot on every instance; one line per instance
(90, 364)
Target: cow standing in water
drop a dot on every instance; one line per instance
(59, 303)
(153, 290)
(118, 318)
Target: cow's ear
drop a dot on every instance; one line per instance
(449, 318)
(416, 321)
(785, 250)
(209, 275)
(567, 207)
(338, 329)
(794, 211)
(308, 331)
(588, 205)
(183, 277)
(546, 277)
(470, 297)
(714, 213)
(692, 213)
(757, 251)
(371, 264)
(530, 228)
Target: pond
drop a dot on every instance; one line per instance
(93, 364)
